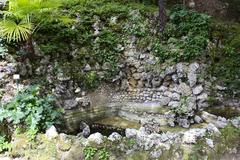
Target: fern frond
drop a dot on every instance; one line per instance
(12, 31)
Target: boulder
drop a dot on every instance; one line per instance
(164, 101)
(151, 126)
(184, 89)
(170, 116)
(85, 129)
(132, 82)
(162, 89)
(213, 129)
(191, 103)
(137, 76)
(183, 122)
(170, 70)
(130, 133)
(192, 79)
(76, 152)
(181, 70)
(115, 137)
(192, 75)
(197, 90)
(202, 97)
(176, 97)
(51, 133)
(236, 122)
(70, 104)
(174, 104)
(191, 136)
(156, 154)
(197, 119)
(124, 84)
(219, 122)
(209, 142)
(156, 83)
(96, 138)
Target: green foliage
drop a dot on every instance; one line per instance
(131, 142)
(14, 31)
(89, 152)
(30, 110)
(104, 154)
(225, 56)
(212, 101)
(116, 22)
(4, 145)
(138, 25)
(188, 22)
(91, 80)
(198, 150)
(17, 23)
(185, 37)
(182, 109)
(228, 140)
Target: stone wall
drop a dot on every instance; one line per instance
(145, 80)
(142, 79)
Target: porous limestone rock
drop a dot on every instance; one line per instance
(115, 137)
(197, 90)
(130, 133)
(96, 138)
(191, 136)
(209, 142)
(51, 133)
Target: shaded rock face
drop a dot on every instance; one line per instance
(8, 86)
(85, 129)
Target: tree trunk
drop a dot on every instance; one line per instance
(162, 14)
(29, 49)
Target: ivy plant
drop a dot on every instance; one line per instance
(31, 110)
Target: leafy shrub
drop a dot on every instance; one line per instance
(4, 145)
(91, 80)
(30, 110)
(103, 154)
(225, 56)
(185, 37)
(188, 22)
(182, 109)
(89, 152)
(137, 25)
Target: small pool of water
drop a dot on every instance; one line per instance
(119, 122)
(108, 125)
(227, 112)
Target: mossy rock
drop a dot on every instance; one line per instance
(138, 155)
(20, 144)
(76, 152)
(64, 145)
